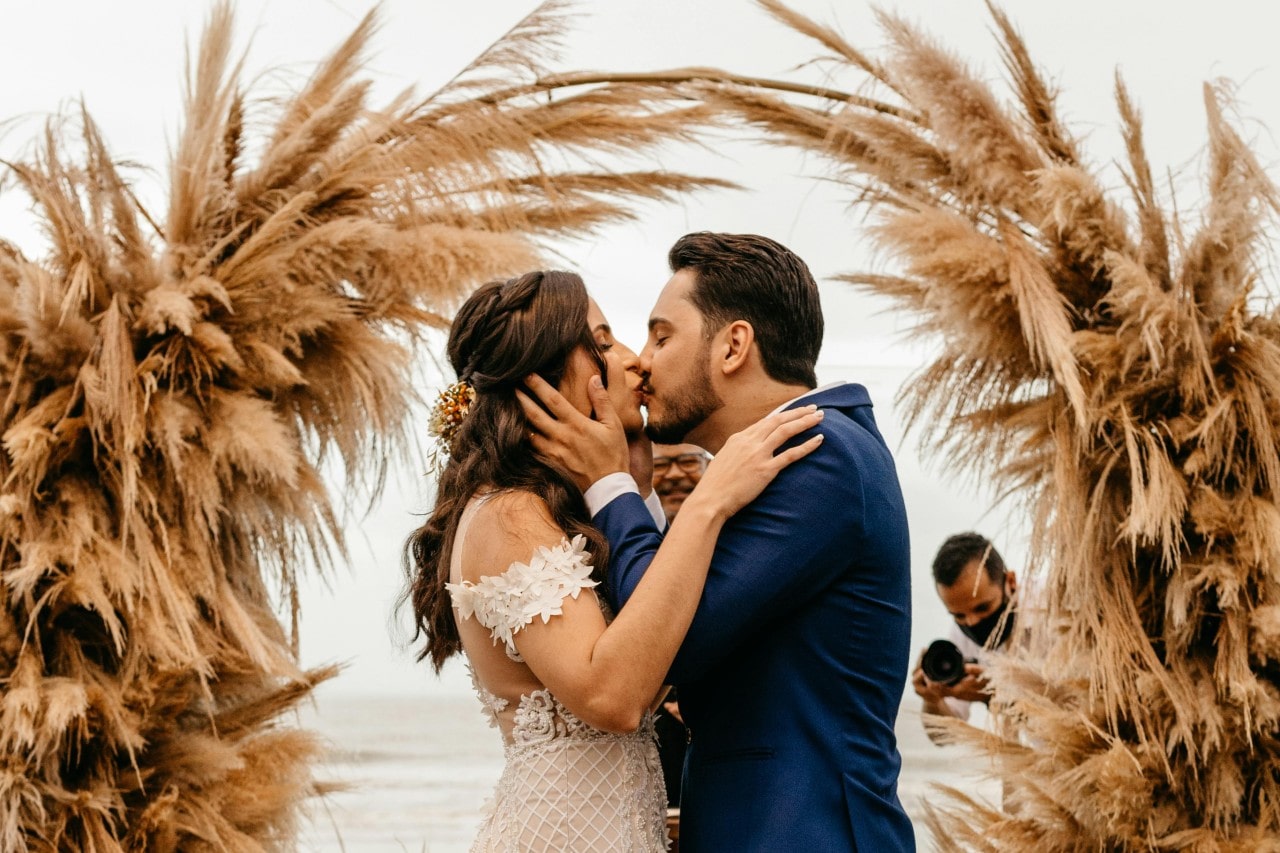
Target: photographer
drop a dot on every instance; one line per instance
(979, 593)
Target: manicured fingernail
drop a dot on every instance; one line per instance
(595, 383)
(821, 414)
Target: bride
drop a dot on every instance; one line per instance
(507, 570)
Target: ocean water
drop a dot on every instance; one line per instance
(417, 770)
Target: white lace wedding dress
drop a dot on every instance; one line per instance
(565, 786)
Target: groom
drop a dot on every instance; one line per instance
(792, 672)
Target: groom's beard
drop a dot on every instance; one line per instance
(684, 409)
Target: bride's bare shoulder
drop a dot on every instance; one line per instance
(507, 527)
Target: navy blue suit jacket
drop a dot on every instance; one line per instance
(792, 672)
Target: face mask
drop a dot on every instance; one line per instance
(980, 632)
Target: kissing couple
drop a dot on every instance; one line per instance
(777, 600)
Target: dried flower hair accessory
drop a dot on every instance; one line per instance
(452, 406)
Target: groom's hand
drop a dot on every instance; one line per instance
(585, 449)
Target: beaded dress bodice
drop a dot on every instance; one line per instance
(566, 786)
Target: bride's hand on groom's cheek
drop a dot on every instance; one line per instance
(640, 451)
(586, 448)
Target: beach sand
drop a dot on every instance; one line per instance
(419, 768)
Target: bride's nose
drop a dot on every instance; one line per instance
(615, 365)
(630, 361)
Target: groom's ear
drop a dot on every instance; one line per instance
(739, 340)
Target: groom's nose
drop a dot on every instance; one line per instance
(645, 361)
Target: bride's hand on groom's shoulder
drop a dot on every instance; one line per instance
(747, 462)
(588, 449)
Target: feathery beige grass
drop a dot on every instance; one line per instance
(1110, 366)
(173, 385)
(1122, 385)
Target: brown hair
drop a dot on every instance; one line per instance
(504, 332)
(961, 549)
(753, 278)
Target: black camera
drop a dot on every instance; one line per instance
(943, 662)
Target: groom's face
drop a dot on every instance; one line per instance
(676, 363)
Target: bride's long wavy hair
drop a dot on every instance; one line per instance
(504, 332)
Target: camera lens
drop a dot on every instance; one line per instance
(943, 662)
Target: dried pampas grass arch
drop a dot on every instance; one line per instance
(173, 383)
(1115, 367)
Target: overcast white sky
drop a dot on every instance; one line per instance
(125, 60)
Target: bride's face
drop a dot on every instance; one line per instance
(624, 375)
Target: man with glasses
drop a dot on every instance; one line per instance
(677, 468)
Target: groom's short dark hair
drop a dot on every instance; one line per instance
(753, 278)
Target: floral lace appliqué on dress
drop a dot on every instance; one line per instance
(566, 786)
(507, 602)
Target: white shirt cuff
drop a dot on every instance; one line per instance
(654, 504)
(603, 491)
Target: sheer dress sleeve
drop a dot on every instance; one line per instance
(506, 603)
